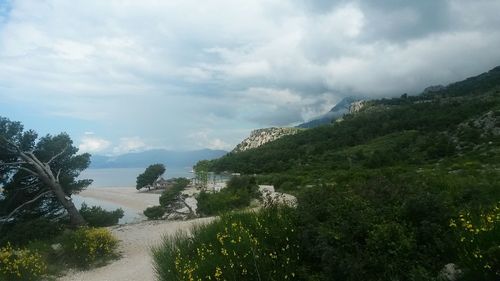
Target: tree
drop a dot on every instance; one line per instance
(173, 199)
(150, 175)
(39, 174)
(201, 173)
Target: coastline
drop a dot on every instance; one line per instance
(127, 197)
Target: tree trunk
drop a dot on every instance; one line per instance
(75, 218)
(45, 174)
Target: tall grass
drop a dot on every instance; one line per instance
(246, 246)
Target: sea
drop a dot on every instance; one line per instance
(126, 177)
(119, 178)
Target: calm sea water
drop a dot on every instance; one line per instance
(126, 177)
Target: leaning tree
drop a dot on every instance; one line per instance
(38, 175)
(150, 175)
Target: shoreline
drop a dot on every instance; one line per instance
(128, 197)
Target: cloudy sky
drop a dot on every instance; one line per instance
(127, 75)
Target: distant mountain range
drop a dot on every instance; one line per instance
(336, 112)
(178, 159)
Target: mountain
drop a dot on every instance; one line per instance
(262, 136)
(457, 122)
(179, 159)
(341, 108)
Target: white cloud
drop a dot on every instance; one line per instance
(204, 139)
(129, 144)
(92, 144)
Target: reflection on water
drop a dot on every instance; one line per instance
(129, 215)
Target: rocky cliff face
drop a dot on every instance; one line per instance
(262, 136)
(356, 106)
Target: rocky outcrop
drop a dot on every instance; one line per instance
(262, 136)
(356, 106)
(489, 123)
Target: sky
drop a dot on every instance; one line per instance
(127, 75)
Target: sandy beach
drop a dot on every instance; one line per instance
(127, 197)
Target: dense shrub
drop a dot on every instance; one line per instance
(379, 230)
(478, 239)
(238, 194)
(154, 213)
(20, 264)
(246, 246)
(98, 217)
(88, 245)
(20, 233)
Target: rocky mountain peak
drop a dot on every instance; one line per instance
(261, 136)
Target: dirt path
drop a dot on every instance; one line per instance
(135, 247)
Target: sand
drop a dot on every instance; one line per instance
(127, 197)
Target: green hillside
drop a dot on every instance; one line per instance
(397, 191)
(408, 131)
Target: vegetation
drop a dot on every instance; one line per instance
(22, 233)
(413, 130)
(38, 177)
(20, 264)
(247, 246)
(150, 175)
(38, 174)
(98, 217)
(201, 174)
(170, 200)
(154, 213)
(394, 192)
(477, 235)
(238, 194)
(86, 246)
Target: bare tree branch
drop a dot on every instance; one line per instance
(57, 155)
(13, 163)
(33, 158)
(58, 173)
(186, 205)
(29, 171)
(5, 219)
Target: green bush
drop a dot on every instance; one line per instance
(374, 229)
(98, 217)
(238, 194)
(222, 201)
(154, 213)
(21, 233)
(20, 264)
(246, 246)
(88, 245)
(478, 239)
